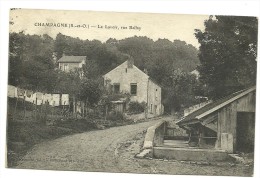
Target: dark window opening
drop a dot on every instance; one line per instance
(116, 88)
(133, 89)
(245, 132)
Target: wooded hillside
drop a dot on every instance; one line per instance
(33, 61)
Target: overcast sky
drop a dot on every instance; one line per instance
(154, 26)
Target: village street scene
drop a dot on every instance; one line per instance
(139, 102)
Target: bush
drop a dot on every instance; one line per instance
(115, 116)
(136, 107)
(79, 125)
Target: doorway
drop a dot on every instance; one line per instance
(245, 132)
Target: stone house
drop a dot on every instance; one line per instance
(127, 78)
(227, 123)
(67, 63)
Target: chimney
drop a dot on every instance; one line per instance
(130, 62)
(146, 71)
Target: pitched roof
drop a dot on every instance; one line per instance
(136, 68)
(72, 59)
(152, 80)
(195, 116)
(124, 63)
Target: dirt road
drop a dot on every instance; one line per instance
(113, 150)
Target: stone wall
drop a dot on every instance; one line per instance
(154, 135)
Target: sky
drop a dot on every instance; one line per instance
(104, 25)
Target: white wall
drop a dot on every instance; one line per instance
(125, 76)
(154, 98)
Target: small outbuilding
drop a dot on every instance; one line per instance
(226, 124)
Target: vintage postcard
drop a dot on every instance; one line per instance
(131, 92)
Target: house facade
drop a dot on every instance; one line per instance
(127, 78)
(226, 124)
(68, 63)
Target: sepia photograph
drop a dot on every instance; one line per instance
(128, 92)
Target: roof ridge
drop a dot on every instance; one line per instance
(72, 59)
(217, 104)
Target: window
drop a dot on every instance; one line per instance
(116, 88)
(66, 67)
(156, 94)
(133, 89)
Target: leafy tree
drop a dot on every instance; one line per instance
(136, 107)
(228, 53)
(15, 57)
(111, 41)
(90, 91)
(91, 69)
(32, 64)
(105, 55)
(147, 53)
(139, 48)
(69, 46)
(37, 76)
(30, 61)
(68, 83)
(179, 91)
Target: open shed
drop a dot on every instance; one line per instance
(227, 123)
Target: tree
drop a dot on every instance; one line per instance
(33, 59)
(30, 61)
(228, 54)
(179, 90)
(90, 91)
(140, 48)
(37, 76)
(68, 83)
(102, 56)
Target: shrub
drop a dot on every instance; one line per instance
(80, 125)
(115, 116)
(136, 107)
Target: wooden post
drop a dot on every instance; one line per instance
(36, 108)
(41, 111)
(87, 107)
(73, 106)
(146, 112)
(199, 144)
(189, 138)
(52, 109)
(76, 108)
(106, 113)
(15, 106)
(83, 109)
(24, 106)
(69, 106)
